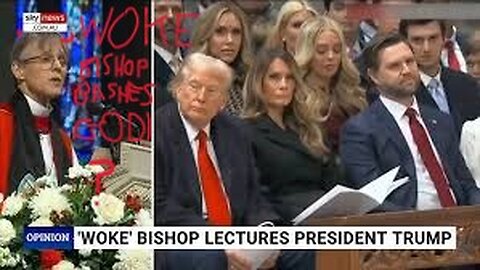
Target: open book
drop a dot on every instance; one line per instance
(342, 201)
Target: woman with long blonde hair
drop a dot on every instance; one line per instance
(331, 77)
(222, 32)
(288, 144)
(290, 18)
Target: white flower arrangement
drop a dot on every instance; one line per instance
(47, 201)
(43, 203)
(64, 265)
(85, 252)
(108, 209)
(79, 172)
(12, 205)
(7, 232)
(143, 218)
(42, 222)
(133, 260)
(7, 259)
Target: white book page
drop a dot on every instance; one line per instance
(258, 256)
(321, 201)
(379, 188)
(346, 201)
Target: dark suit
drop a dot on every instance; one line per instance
(178, 200)
(372, 144)
(463, 96)
(163, 75)
(290, 175)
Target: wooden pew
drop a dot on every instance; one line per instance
(466, 218)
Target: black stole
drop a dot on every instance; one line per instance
(27, 154)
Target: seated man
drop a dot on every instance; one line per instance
(205, 172)
(396, 130)
(32, 144)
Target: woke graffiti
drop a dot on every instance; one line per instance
(132, 126)
(135, 129)
(111, 24)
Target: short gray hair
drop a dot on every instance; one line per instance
(29, 38)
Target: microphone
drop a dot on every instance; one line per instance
(113, 127)
(99, 108)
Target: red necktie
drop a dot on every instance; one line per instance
(431, 163)
(215, 198)
(452, 57)
(43, 124)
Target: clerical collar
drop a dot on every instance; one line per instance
(37, 108)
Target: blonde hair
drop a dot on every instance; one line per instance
(205, 27)
(346, 92)
(286, 12)
(298, 116)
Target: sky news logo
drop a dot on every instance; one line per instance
(44, 22)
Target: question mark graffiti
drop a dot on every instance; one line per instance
(108, 166)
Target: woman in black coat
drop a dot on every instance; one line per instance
(288, 142)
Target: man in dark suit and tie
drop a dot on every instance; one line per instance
(450, 91)
(396, 130)
(205, 172)
(167, 54)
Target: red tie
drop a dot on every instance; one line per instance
(431, 163)
(43, 124)
(215, 198)
(452, 57)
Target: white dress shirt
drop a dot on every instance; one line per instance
(173, 60)
(192, 133)
(470, 147)
(425, 78)
(46, 139)
(427, 197)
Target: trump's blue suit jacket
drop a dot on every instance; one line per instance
(178, 200)
(372, 144)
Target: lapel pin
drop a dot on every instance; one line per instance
(434, 121)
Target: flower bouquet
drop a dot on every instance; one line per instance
(76, 203)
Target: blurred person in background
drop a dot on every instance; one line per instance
(452, 92)
(473, 59)
(167, 53)
(290, 18)
(222, 32)
(260, 18)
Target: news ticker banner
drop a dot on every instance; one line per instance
(44, 22)
(209, 237)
